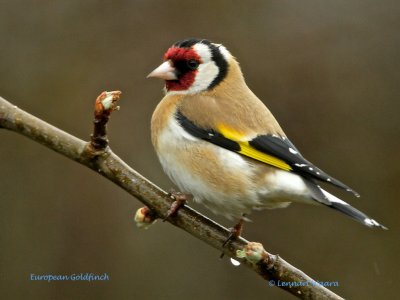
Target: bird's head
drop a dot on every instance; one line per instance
(192, 66)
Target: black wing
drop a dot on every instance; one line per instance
(284, 149)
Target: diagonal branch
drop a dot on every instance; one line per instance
(99, 157)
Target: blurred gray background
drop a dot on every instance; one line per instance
(328, 70)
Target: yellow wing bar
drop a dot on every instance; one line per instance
(247, 150)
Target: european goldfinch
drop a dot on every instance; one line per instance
(218, 142)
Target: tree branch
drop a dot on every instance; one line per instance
(99, 157)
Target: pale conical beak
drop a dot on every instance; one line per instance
(165, 71)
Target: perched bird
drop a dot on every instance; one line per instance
(218, 142)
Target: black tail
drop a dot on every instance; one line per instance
(355, 214)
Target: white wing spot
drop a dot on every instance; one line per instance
(292, 151)
(300, 165)
(310, 168)
(318, 173)
(328, 179)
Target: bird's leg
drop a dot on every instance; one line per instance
(236, 231)
(179, 201)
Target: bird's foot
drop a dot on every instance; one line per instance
(235, 232)
(179, 201)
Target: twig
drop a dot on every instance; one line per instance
(99, 157)
(105, 104)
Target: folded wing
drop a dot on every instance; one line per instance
(274, 150)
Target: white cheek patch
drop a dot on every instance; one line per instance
(206, 74)
(207, 70)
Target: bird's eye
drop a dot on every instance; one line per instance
(193, 64)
